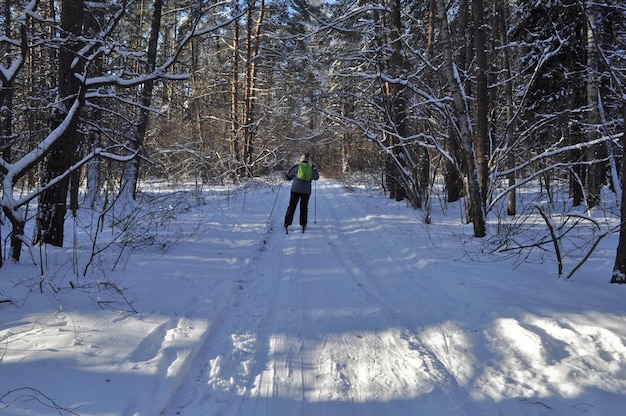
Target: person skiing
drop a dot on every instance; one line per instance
(302, 174)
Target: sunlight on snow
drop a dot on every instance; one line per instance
(398, 364)
(452, 348)
(423, 263)
(530, 356)
(542, 356)
(358, 367)
(147, 346)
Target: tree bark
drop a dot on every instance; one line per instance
(56, 175)
(235, 155)
(252, 52)
(619, 269)
(396, 103)
(476, 211)
(595, 171)
(482, 100)
(6, 128)
(92, 28)
(132, 171)
(500, 16)
(456, 171)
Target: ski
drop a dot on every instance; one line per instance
(287, 229)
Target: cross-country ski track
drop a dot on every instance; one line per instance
(315, 327)
(364, 314)
(370, 312)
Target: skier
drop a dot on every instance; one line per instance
(302, 173)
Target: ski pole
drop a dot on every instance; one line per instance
(315, 202)
(274, 205)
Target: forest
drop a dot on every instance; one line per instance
(459, 100)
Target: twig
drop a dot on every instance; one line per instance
(29, 393)
(555, 239)
(591, 250)
(539, 403)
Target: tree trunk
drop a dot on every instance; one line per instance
(6, 129)
(252, 52)
(619, 269)
(396, 104)
(432, 21)
(500, 18)
(247, 90)
(6, 92)
(235, 156)
(454, 178)
(457, 170)
(476, 212)
(93, 167)
(347, 110)
(56, 172)
(577, 99)
(482, 100)
(132, 171)
(387, 142)
(595, 171)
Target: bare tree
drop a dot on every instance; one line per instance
(131, 176)
(463, 125)
(235, 153)
(482, 145)
(15, 53)
(58, 150)
(253, 42)
(64, 154)
(619, 268)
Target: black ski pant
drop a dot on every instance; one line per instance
(304, 208)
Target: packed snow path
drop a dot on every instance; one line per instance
(368, 313)
(317, 328)
(363, 314)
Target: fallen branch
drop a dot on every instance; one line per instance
(29, 394)
(555, 240)
(538, 403)
(591, 250)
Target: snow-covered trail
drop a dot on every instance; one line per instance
(370, 312)
(318, 328)
(364, 314)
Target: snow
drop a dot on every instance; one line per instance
(370, 312)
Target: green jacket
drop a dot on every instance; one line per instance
(301, 186)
